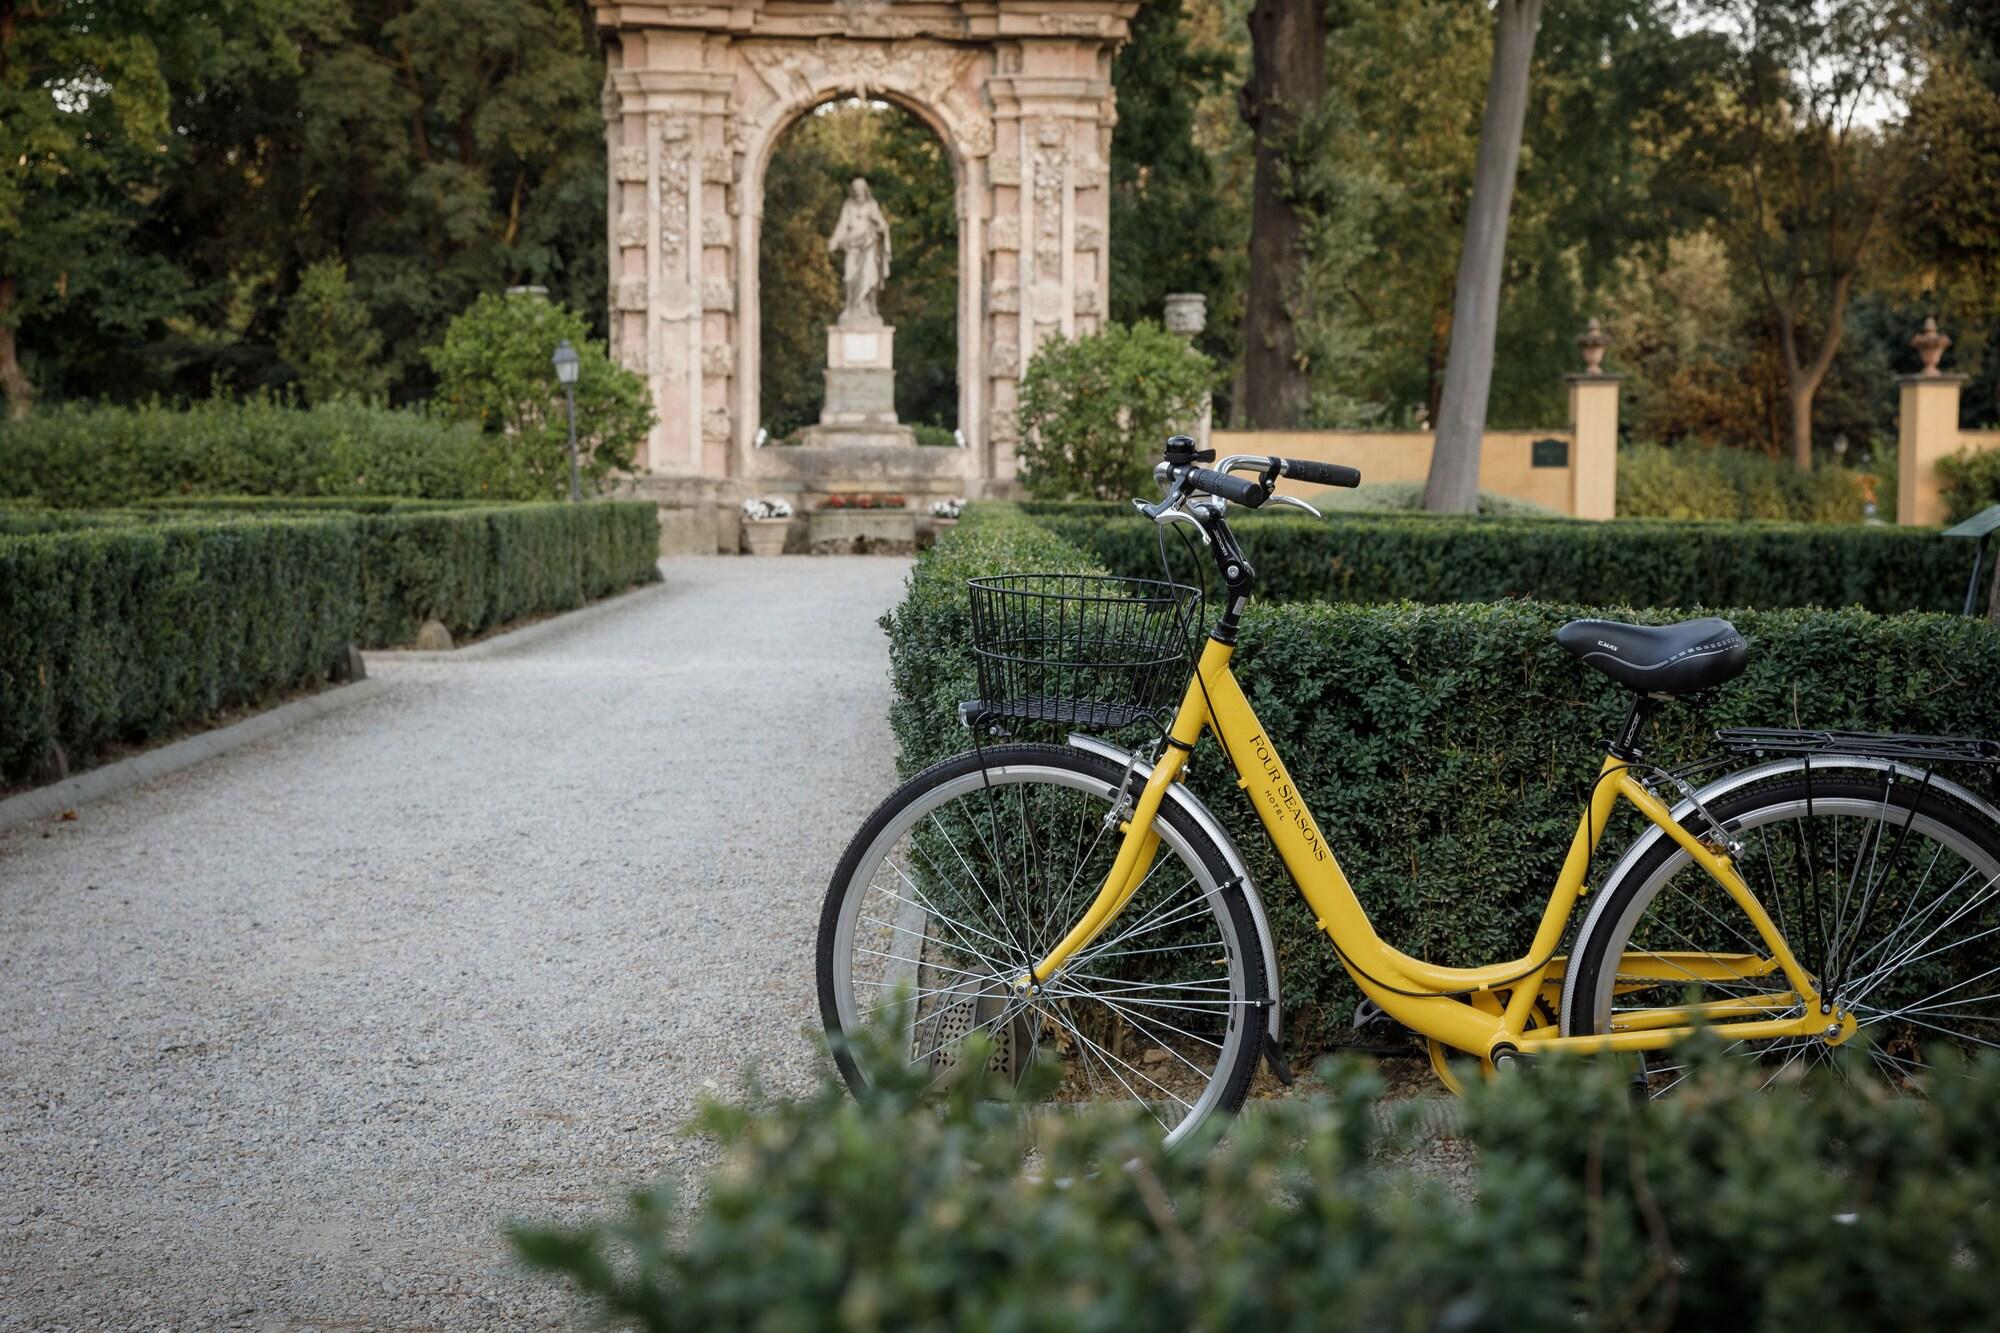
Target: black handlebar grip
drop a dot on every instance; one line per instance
(1242, 490)
(1321, 474)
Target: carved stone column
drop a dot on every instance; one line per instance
(1053, 114)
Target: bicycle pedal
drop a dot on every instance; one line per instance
(1370, 1017)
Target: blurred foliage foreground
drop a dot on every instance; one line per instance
(1804, 1205)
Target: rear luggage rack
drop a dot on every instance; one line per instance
(1867, 744)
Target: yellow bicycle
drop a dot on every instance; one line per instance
(1079, 906)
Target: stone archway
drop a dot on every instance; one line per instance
(696, 97)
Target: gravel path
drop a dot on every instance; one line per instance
(289, 1036)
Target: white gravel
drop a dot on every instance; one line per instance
(291, 1035)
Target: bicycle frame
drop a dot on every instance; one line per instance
(1457, 1006)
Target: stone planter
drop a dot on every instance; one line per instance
(861, 531)
(765, 536)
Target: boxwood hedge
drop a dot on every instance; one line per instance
(1446, 748)
(475, 568)
(1724, 1207)
(119, 633)
(84, 457)
(1634, 562)
(121, 627)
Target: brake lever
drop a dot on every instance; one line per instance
(1182, 516)
(1294, 502)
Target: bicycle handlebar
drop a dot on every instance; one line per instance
(1242, 490)
(1318, 474)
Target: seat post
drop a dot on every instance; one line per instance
(1625, 745)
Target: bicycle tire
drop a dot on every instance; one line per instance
(1835, 923)
(1010, 769)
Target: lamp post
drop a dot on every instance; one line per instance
(567, 364)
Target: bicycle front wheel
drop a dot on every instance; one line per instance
(971, 871)
(1886, 889)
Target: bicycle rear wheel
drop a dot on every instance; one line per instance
(1886, 889)
(972, 870)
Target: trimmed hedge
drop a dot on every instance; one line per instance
(1723, 1207)
(1357, 558)
(1446, 748)
(119, 628)
(473, 569)
(100, 457)
(120, 633)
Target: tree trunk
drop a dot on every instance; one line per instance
(1288, 77)
(1453, 487)
(13, 380)
(1798, 400)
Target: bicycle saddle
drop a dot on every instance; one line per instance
(1659, 659)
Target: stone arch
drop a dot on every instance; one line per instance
(761, 145)
(698, 93)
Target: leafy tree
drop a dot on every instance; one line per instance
(439, 148)
(328, 337)
(494, 368)
(1094, 410)
(907, 170)
(1808, 180)
(85, 90)
(1170, 225)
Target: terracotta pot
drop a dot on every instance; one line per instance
(765, 536)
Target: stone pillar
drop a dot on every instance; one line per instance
(1593, 464)
(860, 389)
(1051, 192)
(1593, 428)
(674, 163)
(1185, 316)
(1926, 430)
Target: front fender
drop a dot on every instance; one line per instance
(1196, 810)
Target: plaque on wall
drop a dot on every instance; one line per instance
(1549, 453)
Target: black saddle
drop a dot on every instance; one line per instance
(1659, 659)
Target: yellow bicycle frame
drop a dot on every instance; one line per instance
(1439, 1002)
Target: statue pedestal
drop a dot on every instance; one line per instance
(860, 389)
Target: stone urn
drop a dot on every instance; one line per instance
(766, 536)
(1931, 345)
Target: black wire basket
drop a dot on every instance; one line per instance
(1081, 649)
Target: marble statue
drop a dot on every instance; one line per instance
(861, 237)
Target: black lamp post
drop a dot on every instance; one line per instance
(567, 364)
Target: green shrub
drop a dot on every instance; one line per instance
(1095, 410)
(118, 633)
(1723, 1208)
(122, 627)
(1971, 482)
(494, 371)
(257, 505)
(1689, 481)
(108, 456)
(329, 338)
(1445, 747)
(478, 568)
(1367, 558)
